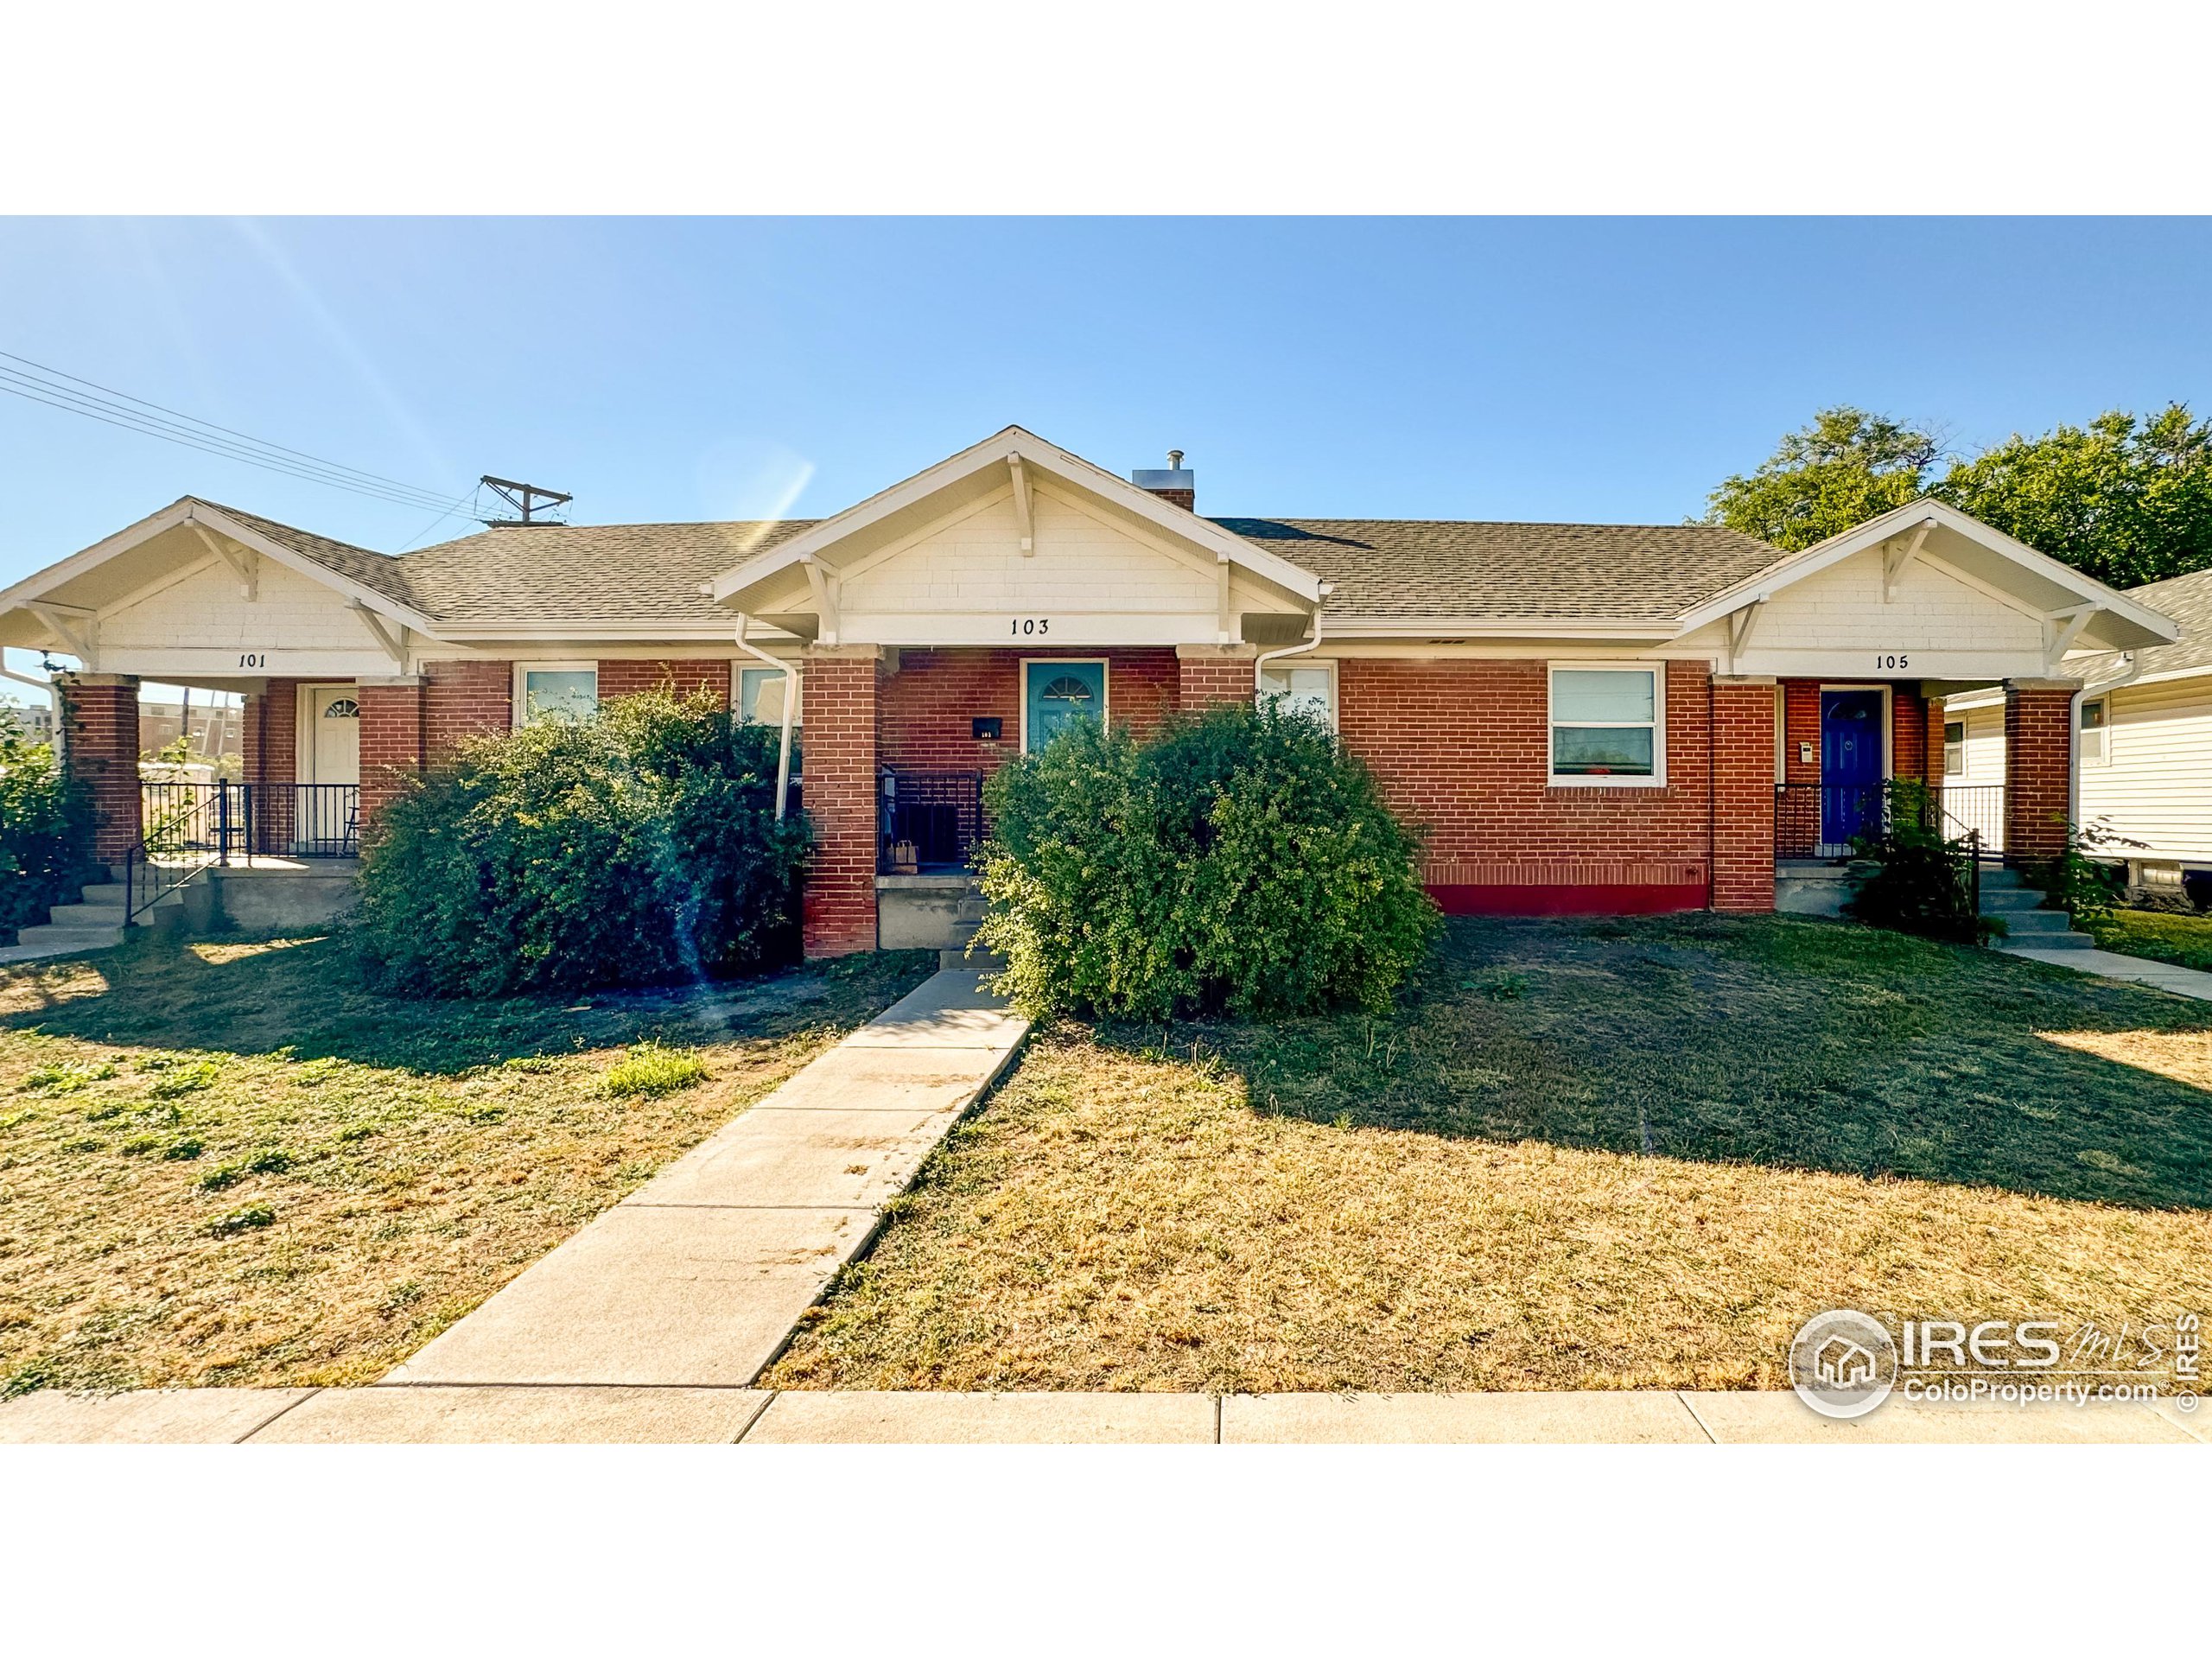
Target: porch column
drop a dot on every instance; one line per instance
(840, 796)
(1208, 675)
(1933, 753)
(1743, 792)
(2038, 767)
(391, 739)
(100, 712)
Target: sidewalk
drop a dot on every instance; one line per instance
(385, 1416)
(2111, 965)
(698, 1279)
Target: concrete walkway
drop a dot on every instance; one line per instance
(2110, 964)
(698, 1279)
(453, 1415)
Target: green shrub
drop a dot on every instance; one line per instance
(637, 848)
(46, 832)
(1239, 861)
(1919, 883)
(651, 1070)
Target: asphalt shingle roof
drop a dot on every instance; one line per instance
(2188, 601)
(1382, 568)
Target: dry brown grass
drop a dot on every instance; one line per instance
(1462, 1197)
(231, 1164)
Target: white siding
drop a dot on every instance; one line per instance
(1835, 623)
(2157, 786)
(1081, 563)
(205, 610)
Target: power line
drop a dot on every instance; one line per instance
(206, 436)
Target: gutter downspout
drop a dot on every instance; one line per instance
(789, 671)
(1259, 662)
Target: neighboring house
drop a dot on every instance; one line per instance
(2143, 744)
(1586, 718)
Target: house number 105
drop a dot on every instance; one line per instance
(1892, 659)
(1031, 625)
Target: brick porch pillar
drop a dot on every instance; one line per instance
(391, 739)
(100, 743)
(1743, 792)
(1207, 676)
(2038, 767)
(1934, 753)
(842, 701)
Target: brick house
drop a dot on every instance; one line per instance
(1586, 718)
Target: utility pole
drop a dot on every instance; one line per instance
(529, 500)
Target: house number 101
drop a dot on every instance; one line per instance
(1031, 625)
(253, 659)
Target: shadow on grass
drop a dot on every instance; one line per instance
(246, 997)
(1793, 1043)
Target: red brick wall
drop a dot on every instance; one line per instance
(271, 733)
(1908, 735)
(928, 705)
(1208, 681)
(1801, 718)
(623, 676)
(1932, 738)
(393, 718)
(1743, 796)
(464, 699)
(2038, 763)
(101, 712)
(842, 703)
(1464, 747)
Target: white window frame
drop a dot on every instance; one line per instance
(519, 693)
(1657, 670)
(1288, 664)
(1105, 689)
(1954, 751)
(2102, 729)
(737, 673)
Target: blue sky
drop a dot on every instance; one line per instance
(685, 369)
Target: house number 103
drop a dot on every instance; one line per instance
(1030, 626)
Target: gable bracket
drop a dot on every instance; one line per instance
(394, 646)
(77, 628)
(824, 581)
(1022, 521)
(1740, 629)
(243, 561)
(2059, 630)
(1895, 559)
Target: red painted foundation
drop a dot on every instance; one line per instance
(1644, 899)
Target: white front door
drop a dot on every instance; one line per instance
(330, 748)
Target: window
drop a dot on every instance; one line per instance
(1303, 688)
(341, 708)
(2093, 750)
(1606, 726)
(564, 690)
(1955, 747)
(760, 697)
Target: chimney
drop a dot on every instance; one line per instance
(1177, 485)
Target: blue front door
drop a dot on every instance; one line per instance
(1055, 694)
(1851, 768)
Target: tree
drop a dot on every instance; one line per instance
(2126, 500)
(1846, 467)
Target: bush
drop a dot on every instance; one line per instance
(1239, 861)
(46, 832)
(637, 848)
(1920, 882)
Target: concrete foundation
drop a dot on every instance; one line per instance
(925, 912)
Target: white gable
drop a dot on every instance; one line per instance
(201, 623)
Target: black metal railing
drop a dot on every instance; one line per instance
(1976, 810)
(148, 877)
(1822, 820)
(227, 821)
(928, 820)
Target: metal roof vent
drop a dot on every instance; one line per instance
(1176, 483)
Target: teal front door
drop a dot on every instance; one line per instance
(1054, 694)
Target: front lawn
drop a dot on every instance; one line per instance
(2173, 936)
(1582, 1155)
(229, 1163)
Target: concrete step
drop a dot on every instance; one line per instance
(106, 914)
(1998, 877)
(62, 936)
(982, 961)
(2003, 901)
(2022, 924)
(973, 908)
(2067, 940)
